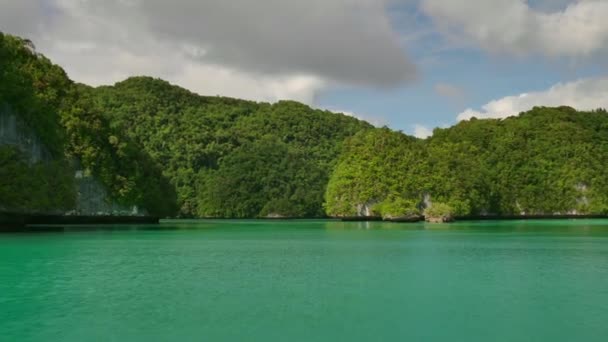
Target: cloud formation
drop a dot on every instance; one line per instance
(584, 94)
(512, 26)
(422, 132)
(266, 49)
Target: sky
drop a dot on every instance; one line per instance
(411, 65)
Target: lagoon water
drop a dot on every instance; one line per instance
(308, 281)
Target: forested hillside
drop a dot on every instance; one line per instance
(175, 153)
(32, 87)
(545, 161)
(146, 140)
(58, 113)
(228, 157)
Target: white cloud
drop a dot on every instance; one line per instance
(216, 80)
(512, 26)
(584, 94)
(422, 132)
(262, 50)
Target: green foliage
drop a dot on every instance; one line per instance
(137, 134)
(545, 161)
(439, 210)
(397, 207)
(172, 152)
(263, 178)
(39, 187)
(63, 116)
(376, 165)
(34, 88)
(129, 174)
(224, 156)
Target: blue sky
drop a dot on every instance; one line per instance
(409, 64)
(481, 78)
(479, 75)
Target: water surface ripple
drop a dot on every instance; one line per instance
(308, 281)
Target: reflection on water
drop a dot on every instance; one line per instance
(583, 226)
(579, 227)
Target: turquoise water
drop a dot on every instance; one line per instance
(308, 281)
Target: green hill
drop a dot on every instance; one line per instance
(545, 161)
(162, 148)
(146, 140)
(228, 157)
(49, 108)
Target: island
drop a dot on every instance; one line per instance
(146, 148)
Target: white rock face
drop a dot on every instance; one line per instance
(92, 197)
(366, 208)
(426, 201)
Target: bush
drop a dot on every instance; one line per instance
(439, 212)
(397, 207)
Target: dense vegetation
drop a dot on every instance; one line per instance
(228, 157)
(33, 87)
(61, 115)
(176, 153)
(147, 140)
(545, 161)
(39, 187)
